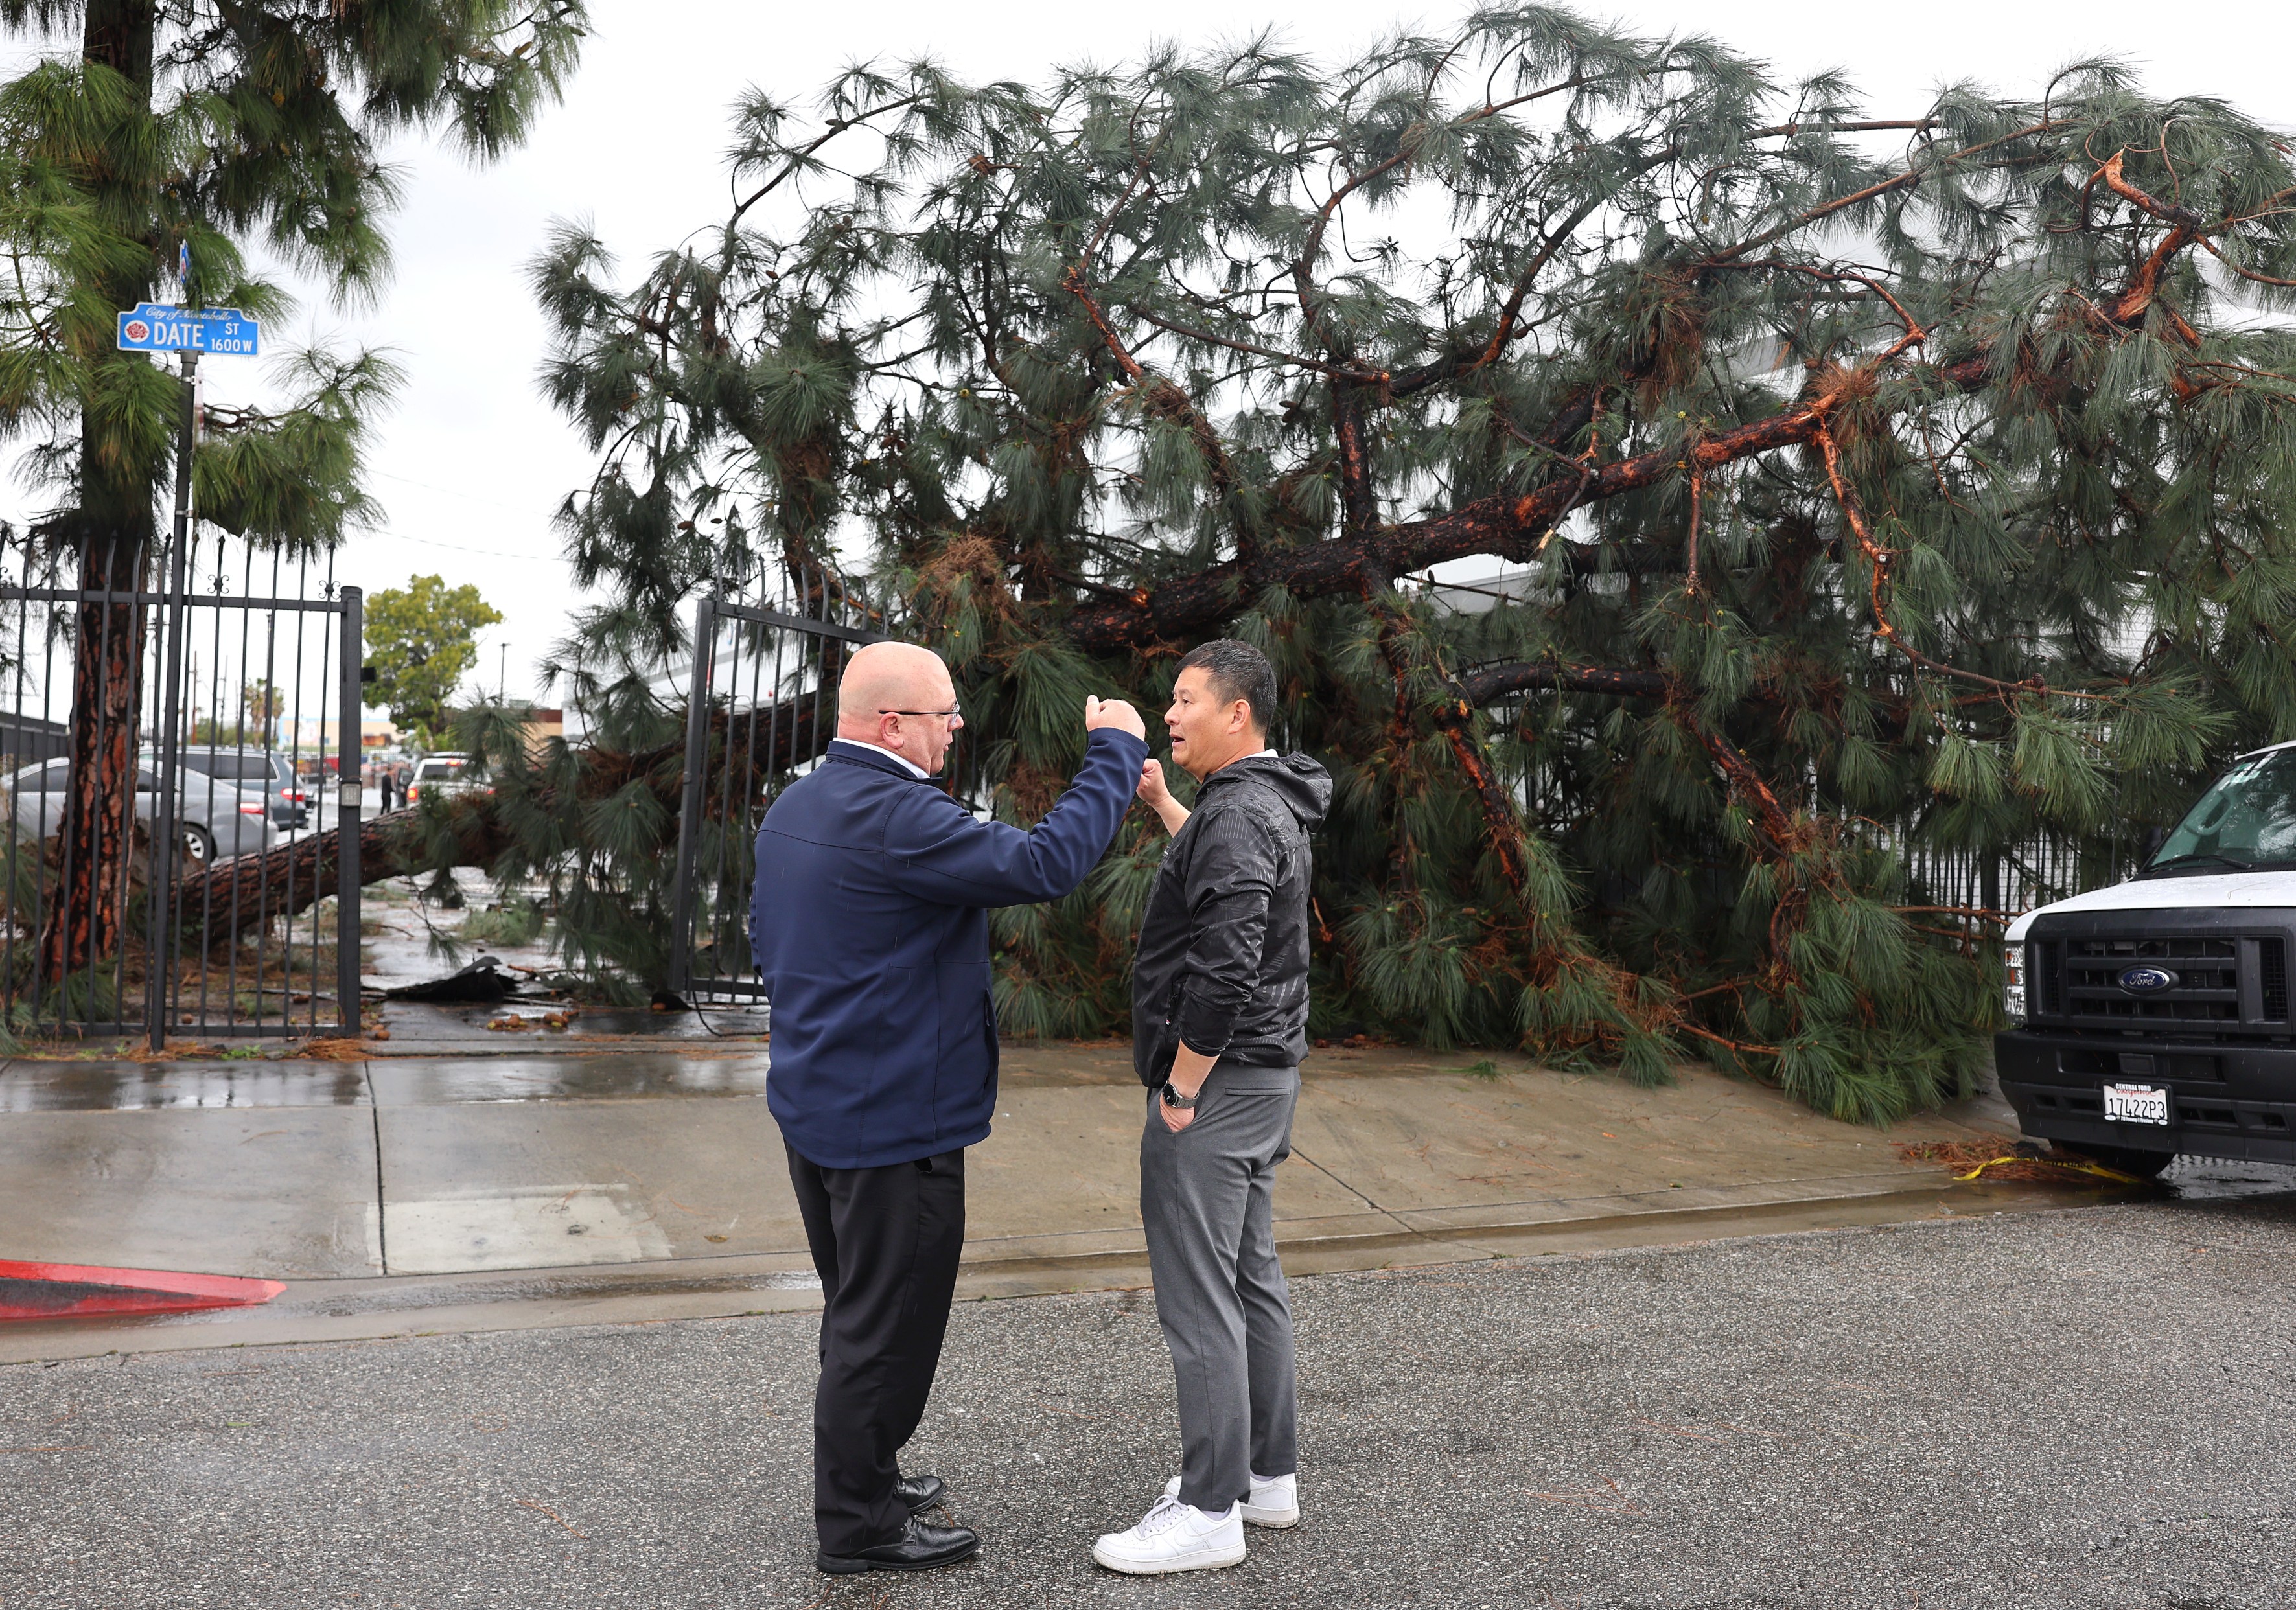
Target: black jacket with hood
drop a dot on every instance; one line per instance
(1223, 959)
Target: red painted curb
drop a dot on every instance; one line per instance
(65, 1291)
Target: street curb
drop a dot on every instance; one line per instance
(66, 1291)
(379, 1309)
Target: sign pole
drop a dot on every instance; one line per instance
(350, 753)
(166, 847)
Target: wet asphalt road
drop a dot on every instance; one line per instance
(2089, 1407)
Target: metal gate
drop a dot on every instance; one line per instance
(179, 736)
(762, 709)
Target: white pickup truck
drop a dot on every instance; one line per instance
(2152, 1018)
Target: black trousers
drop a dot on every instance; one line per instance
(885, 1241)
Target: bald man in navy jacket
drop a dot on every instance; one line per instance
(870, 927)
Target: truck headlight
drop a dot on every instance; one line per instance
(2013, 983)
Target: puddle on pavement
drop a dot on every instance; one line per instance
(435, 1081)
(123, 1087)
(109, 1087)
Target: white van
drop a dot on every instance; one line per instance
(2153, 1017)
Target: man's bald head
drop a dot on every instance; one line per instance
(890, 676)
(882, 680)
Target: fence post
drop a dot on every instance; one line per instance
(350, 754)
(166, 849)
(689, 813)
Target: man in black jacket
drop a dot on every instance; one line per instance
(1219, 1025)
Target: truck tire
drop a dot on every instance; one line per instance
(2126, 1159)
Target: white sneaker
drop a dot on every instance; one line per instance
(1273, 1503)
(1174, 1536)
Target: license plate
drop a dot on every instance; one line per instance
(2135, 1104)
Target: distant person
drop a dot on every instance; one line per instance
(1219, 1025)
(870, 930)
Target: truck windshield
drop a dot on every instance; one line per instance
(2247, 819)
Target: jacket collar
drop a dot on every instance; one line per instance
(862, 755)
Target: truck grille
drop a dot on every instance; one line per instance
(2044, 963)
(2206, 972)
(2222, 985)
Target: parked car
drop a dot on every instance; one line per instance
(442, 774)
(257, 771)
(2153, 1018)
(218, 820)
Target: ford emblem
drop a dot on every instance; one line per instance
(2146, 980)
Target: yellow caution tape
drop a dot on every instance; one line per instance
(2084, 1167)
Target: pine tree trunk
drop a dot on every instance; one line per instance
(115, 528)
(88, 909)
(236, 897)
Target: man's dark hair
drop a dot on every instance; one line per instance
(1237, 670)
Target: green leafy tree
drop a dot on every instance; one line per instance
(422, 640)
(221, 129)
(1865, 483)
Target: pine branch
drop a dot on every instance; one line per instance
(1489, 684)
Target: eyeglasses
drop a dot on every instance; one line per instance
(945, 715)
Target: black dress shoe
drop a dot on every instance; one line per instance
(920, 1547)
(919, 1493)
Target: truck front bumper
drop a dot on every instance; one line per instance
(2225, 1100)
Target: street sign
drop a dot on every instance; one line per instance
(155, 327)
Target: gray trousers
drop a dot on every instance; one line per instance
(1206, 1201)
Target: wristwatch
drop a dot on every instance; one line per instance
(1173, 1098)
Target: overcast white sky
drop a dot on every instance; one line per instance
(471, 464)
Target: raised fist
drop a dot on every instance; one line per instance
(1100, 712)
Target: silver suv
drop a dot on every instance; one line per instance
(258, 771)
(218, 820)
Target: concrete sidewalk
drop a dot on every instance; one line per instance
(420, 1194)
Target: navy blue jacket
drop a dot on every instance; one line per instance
(870, 928)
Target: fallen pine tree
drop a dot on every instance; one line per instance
(1853, 489)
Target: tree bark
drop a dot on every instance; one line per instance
(89, 904)
(239, 895)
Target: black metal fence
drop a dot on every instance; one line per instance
(2019, 877)
(762, 707)
(165, 729)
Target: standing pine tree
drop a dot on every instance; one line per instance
(218, 127)
(1860, 482)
